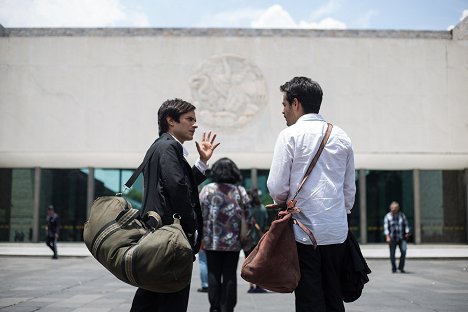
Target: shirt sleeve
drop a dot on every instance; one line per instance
(407, 229)
(280, 171)
(349, 187)
(385, 225)
(202, 166)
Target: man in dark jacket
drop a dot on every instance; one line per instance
(52, 230)
(170, 185)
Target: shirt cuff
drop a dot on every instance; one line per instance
(201, 165)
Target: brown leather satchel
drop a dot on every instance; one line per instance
(274, 263)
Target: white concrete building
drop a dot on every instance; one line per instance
(78, 108)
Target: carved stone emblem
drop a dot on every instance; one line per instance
(228, 91)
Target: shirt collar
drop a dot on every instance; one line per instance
(184, 150)
(311, 117)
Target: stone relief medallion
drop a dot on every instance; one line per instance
(228, 91)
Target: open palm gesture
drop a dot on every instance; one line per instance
(207, 146)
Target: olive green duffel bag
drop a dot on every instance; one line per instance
(158, 259)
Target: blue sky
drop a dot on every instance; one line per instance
(340, 14)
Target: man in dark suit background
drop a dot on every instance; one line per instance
(170, 185)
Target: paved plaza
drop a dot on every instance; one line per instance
(81, 284)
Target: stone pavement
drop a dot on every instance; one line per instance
(370, 251)
(78, 283)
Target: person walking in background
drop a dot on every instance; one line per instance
(259, 217)
(326, 197)
(170, 186)
(221, 209)
(52, 230)
(397, 231)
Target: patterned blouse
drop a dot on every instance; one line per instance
(222, 216)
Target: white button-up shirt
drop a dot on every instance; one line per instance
(328, 194)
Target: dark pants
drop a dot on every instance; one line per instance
(319, 288)
(148, 301)
(402, 246)
(222, 280)
(51, 241)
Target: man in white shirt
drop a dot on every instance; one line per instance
(325, 199)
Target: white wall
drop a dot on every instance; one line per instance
(91, 100)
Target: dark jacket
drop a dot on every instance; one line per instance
(53, 225)
(171, 186)
(355, 270)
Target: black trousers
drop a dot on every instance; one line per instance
(319, 288)
(148, 301)
(222, 280)
(51, 241)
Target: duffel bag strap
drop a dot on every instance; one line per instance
(137, 172)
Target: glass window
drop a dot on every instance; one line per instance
(354, 218)
(16, 204)
(383, 187)
(108, 182)
(443, 202)
(246, 178)
(66, 190)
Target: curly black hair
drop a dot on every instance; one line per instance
(225, 170)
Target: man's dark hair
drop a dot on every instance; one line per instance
(306, 91)
(225, 171)
(172, 108)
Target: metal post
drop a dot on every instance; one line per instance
(36, 204)
(417, 207)
(90, 191)
(254, 177)
(363, 205)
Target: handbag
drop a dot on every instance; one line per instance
(274, 262)
(246, 239)
(158, 258)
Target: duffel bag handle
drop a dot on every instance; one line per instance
(153, 219)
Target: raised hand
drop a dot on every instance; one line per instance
(207, 146)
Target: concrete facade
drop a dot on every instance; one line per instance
(78, 98)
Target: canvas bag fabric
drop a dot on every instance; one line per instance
(158, 259)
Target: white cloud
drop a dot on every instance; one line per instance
(464, 14)
(69, 13)
(235, 18)
(276, 17)
(325, 10)
(365, 20)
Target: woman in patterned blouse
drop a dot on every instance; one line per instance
(221, 232)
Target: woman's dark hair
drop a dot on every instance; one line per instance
(306, 91)
(172, 108)
(225, 171)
